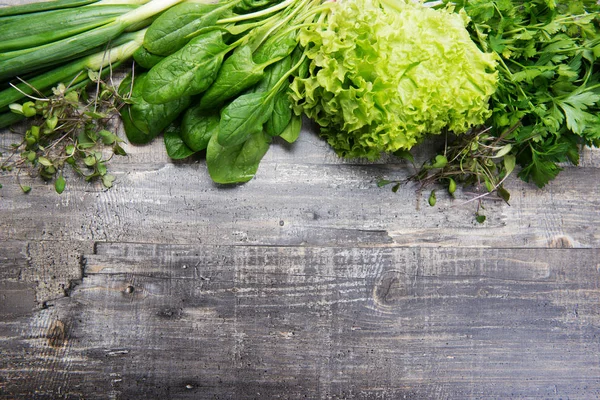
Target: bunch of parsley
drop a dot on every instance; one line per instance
(547, 103)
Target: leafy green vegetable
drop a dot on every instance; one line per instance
(173, 29)
(247, 5)
(188, 71)
(281, 115)
(276, 47)
(386, 73)
(198, 126)
(238, 73)
(547, 101)
(144, 121)
(273, 74)
(236, 54)
(244, 117)
(176, 147)
(134, 135)
(237, 163)
(292, 131)
(146, 59)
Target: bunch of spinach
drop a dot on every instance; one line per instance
(217, 79)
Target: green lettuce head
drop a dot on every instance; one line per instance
(385, 73)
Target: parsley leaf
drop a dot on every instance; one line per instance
(575, 106)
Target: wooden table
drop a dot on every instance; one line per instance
(307, 282)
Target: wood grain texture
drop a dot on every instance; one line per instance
(259, 322)
(309, 281)
(297, 199)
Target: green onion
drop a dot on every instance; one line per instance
(42, 6)
(47, 55)
(43, 28)
(9, 118)
(75, 71)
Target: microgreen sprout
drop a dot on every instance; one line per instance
(71, 127)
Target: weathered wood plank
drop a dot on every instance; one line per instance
(244, 322)
(43, 269)
(13, 260)
(302, 197)
(17, 288)
(309, 281)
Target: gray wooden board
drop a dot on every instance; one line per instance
(301, 196)
(258, 322)
(303, 323)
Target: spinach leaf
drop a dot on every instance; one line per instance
(292, 131)
(188, 71)
(146, 59)
(276, 47)
(244, 117)
(303, 69)
(281, 115)
(238, 163)
(173, 29)
(144, 120)
(249, 5)
(273, 73)
(134, 135)
(238, 72)
(176, 148)
(296, 57)
(198, 126)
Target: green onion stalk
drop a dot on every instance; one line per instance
(64, 40)
(27, 59)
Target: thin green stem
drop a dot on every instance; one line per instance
(275, 89)
(237, 29)
(257, 14)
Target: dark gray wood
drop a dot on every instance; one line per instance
(307, 281)
(17, 290)
(258, 322)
